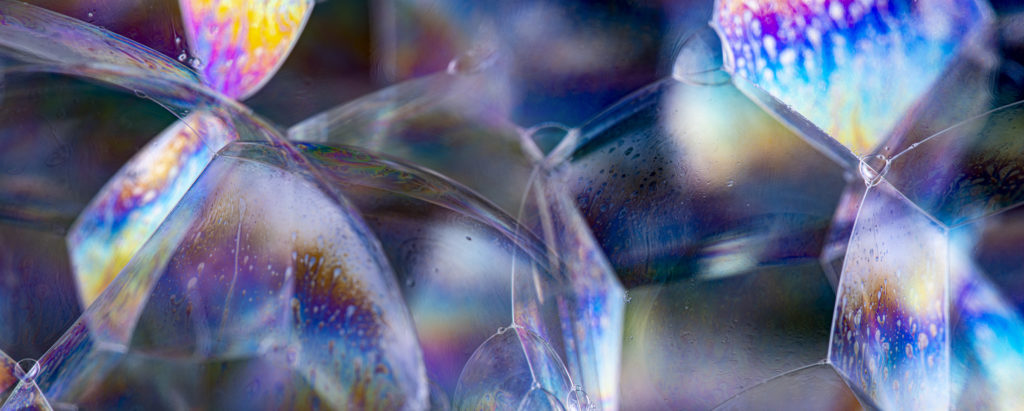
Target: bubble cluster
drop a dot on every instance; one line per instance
(801, 204)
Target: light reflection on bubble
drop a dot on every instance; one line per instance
(136, 200)
(852, 68)
(215, 285)
(684, 231)
(890, 334)
(502, 373)
(987, 337)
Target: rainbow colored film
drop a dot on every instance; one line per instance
(238, 45)
(890, 332)
(854, 68)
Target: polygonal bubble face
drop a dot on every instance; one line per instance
(741, 205)
(455, 253)
(934, 247)
(730, 189)
(970, 176)
(726, 334)
(136, 200)
(446, 123)
(238, 45)
(539, 399)
(266, 300)
(890, 333)
(853, 68)
(967, 171)
(507, 368)
(987, 332)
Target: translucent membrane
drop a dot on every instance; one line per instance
(734, 261)
(452, 124)
(891, 329)
(238, 45)
(539, 399)
(154, 24)
(561, 288)
(854, 69)
(452, 251)
(564, 60)
(135, 200)
(276, 293)
(930, 251)
(212, 309)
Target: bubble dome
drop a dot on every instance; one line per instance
(522, 205)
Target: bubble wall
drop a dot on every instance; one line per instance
(518, 205)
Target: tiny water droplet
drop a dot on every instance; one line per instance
(872, 168)
(730, 183)
(29, 369)
(182, 57)
(140, 94)
(501, 330)
(410, 282)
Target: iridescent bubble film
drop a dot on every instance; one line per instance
(531, 205)
(853, 68)
(238, 45)
(135, 201)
